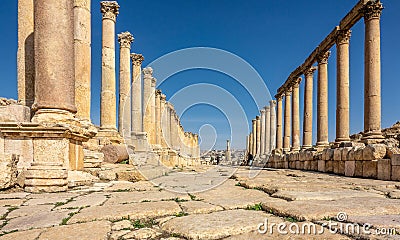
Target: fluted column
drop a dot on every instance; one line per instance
(26, 53)
(136, 93)
(342, 87)
(254, 137)
(296, 115)
(372, 71)
(272, 104)
(158, 117)
(288, 101)
(263, 143)
(279, 135)
(108, 106)
(124, 114)
(258, 137)
(54, 80)
(82, 42)
(322, 100)
(308, 108)
(267, 129)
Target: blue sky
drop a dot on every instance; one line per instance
(274, 37)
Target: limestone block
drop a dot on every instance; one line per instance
(358, 172)
(307, 165)
(14, 113)
(370, 169)
(395, 173)
(335, 165)
(345, 153)
(390, 151)
(374, 152)
(358, 154)
(298, 165)
(314, 165)
(301, 165)
(349, 168)
(292, 165)
(384, 169)
(286, 164)
(329, 166)
(321, 165)
(76, 155)
(395, 160)
(23, 147)
(46, 177)
(48, 150)
(8, 170)
(115, 153)
(337, 154)
(341, 167)
(350, 155)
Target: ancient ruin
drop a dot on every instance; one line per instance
(375, 154)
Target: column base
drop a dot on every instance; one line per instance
(46, 177)
(51, 116)
(372, 137)
(107, 135)
(306, 147)
(139, 141)
(295, 149)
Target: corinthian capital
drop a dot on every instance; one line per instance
(272, 103)
(109, 9)
(323, 57)
(310, 71)
(153, 82)
(343, 37)
(148, 72)
(125, 39)
(373, 9)
(296, 82)
(137, 59)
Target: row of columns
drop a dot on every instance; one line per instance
(288, 128)
(261, 141)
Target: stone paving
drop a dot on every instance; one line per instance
(238, 208)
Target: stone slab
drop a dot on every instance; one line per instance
(96, 230)
(199, 207)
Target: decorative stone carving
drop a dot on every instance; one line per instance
(373, 9)
(109, 9)
(137, 59)
(343, 37)
(310, 71)
(125, 39)
(148, 72)
(323, 57)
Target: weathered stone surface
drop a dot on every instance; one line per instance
(49, 198)
(142, 234)
(14, 195)
(208, 226)
(11, 202)
(370, 169)
(132, 210)
(23, 235)
(320, 195)
(122, 225)
(118, 235)
(396, 173)
(374, 152)
(130, 186)
(8, 170)
(115, 153)
(29, 211)
(92, 199)
(14, 113)
(155, 195)
(84, 231)
(199, 207)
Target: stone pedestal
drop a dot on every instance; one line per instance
(322, 100)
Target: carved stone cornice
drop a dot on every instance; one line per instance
(109, 9)
(323, 57)
(125, 39)
(137, 59)
(373, 9)
(343, 37)
(310, 71)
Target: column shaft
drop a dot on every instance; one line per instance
(267, 129)
(258, 137)
(124, 114)
(108, 106)
(263, 131)
(279, 135)
(254, 132)
(296, 116)
(308, 108)
(26, 53)
(82, 44)
(342, 88)
(158, 117)
(272, 104)
(136, 93)
(286, 139)
(322, 99)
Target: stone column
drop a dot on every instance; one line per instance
(272, 104)
(342, 87)
(258, 137)
(251, 143)
(108, 106)
(174, 129)
(158, 117)
(247, 145)
(372, 68)
(263, 125)
(82, 42)
(288, 101)
(124, 114)
(228, 151)
(296, 115)
(55, 78)
(163, 121)
(149, 103)
(26, 53)
(308, 108)
(279, 135)
(137, 118)
(168, 124)
(322, 100)
(267, 129)
(254, 137)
